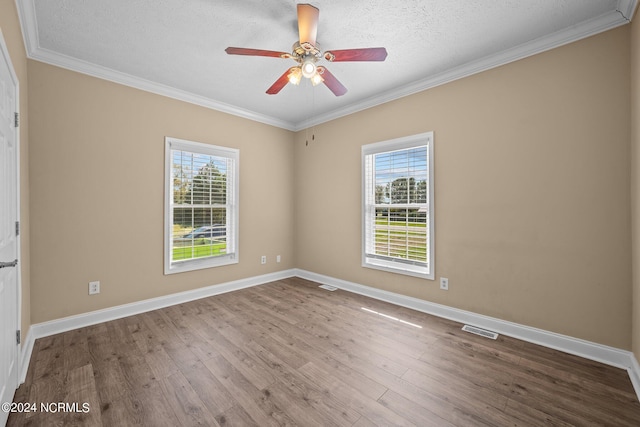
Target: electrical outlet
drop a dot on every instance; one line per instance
(263, 259)
(278, 259)
(94, 288)
(444, 283)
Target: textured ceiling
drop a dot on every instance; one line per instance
(176, 47)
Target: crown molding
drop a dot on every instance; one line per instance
(615, 18)
(588, 28)
(28, 23)
(83, 67)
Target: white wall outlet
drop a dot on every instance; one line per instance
(263, 259)
(444, 283)
(94, 288)
(278, 259)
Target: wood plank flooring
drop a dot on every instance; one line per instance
(289, 353)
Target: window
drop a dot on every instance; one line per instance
(201, 206)
(398, 205)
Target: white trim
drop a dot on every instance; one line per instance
(94, 70)
(233, 200)
(28, 24)
(4, 51)
(403, 143)
(19, 218)
(25, 355)
(581, 31)
(634, 374)
(45, 329)
(112, 313)
(610, 20)
(589, 350)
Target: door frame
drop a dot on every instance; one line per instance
(4, 51)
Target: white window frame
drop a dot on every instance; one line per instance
(232, 216)
(368, 203)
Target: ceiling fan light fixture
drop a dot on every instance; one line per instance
(316, 79)
(295, 75)
(309, 67)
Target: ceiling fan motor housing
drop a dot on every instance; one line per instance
(306, 55)
(302, 50)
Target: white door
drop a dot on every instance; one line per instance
(9, 246)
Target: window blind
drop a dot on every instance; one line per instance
(396, 205)
(202, 203)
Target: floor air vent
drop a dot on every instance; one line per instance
(328, 287)
(481, 332)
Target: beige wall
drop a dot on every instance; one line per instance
(97, 170)
(532, 191)
(635, 181)
(10, 26)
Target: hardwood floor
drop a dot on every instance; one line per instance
(289, 353)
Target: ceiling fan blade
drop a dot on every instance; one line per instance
(256, 52)
(366, 54)
(308, 23)
(331, 82)
(279, 84)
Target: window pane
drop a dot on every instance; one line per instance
(401, 233)
(401, 179)
(398, 205)
(401, 176)
(200, 217)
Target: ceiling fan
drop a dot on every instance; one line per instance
(306, 52)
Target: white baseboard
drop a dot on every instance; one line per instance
(40, 330)
(25, 354)
(634, 374)
(589, 350)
